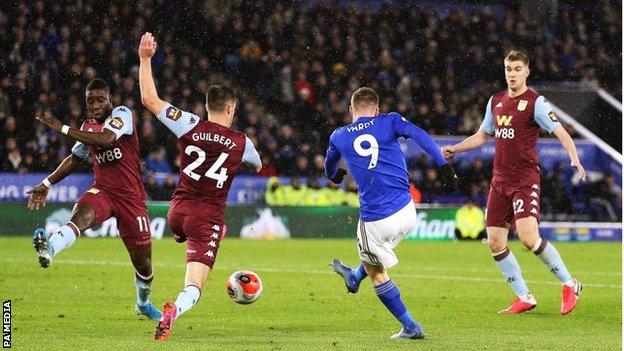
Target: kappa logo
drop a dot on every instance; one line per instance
(216, 227)
(192, 120)
(214, 236)
(535, 186)
(209, 253)
(116, 123)
(212, 244)
(534, 203)
(534, 211)
(173, 113)
(93, 191)
(534, 194)
(500, 104)
(522, 105)
(504, 120)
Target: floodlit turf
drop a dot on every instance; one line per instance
(85, 300)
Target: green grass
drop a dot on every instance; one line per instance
(85, 300)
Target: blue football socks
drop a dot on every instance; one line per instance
(390, 296)
(548, 254)
(507, 263)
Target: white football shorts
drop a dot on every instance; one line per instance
(377, 239)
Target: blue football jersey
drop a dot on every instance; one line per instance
(370, 147)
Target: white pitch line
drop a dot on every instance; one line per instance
(328, 272)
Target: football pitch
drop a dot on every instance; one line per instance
(85, 300)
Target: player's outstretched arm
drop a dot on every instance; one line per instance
(39, 193)
(149, 96)
(477, 139)
(406, 129)
(103, 139)
(568, 144)
(472, 142)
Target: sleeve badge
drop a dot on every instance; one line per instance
(173, 113)
(116, 123)
(552, 116)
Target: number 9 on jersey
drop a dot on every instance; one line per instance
(372, 150)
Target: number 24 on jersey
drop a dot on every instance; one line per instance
(220, 176)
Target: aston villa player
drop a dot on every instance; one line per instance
(109, 137)
(515, 118)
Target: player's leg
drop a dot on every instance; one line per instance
(134, 230)
(202, 245)
(89, 210)
(528, 231)
(498, 214)
(352, 277)
(404, 220)
(194, 280)
(379, 238)
(389, 294)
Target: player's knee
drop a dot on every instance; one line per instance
(496, 244)
(83, 217)
(528, 239)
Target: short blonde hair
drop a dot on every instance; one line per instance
(515, 55)
(365, 97)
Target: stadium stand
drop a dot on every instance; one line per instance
(295, 74)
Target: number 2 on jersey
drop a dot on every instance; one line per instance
(211, 173)
(372, 150)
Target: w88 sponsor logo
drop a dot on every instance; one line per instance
(109, 155)
(505, 133)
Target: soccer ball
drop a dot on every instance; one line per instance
(244, 287)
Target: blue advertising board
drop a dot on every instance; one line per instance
(249, 190)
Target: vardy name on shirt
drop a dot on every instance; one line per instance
(360, 126)
(221, 139)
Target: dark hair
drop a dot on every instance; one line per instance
(365, 96)
(218, 96)
(515, 55)
(96, 84)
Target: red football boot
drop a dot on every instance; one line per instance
(520, 305)
(570, 296)
(163, 329)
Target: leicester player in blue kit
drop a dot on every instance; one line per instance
(371, 149)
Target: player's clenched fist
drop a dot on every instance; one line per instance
(147, 48)
(447, 151)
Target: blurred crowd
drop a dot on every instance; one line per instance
(599, 199)
(294, 67)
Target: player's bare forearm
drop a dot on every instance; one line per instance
(149, 96)
(472, 142)
(67, 167)
(566, 141)
(103, 139)
(39, 193)
(568, 144)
